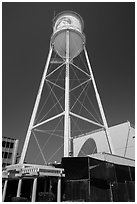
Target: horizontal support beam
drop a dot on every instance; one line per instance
(80, 69)
(56, 61)
(55, 70)
(48, 120)
(85, 119)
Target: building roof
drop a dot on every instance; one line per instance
(115, 159)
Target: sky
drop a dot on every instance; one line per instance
(110, 40)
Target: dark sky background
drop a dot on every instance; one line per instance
(110, 38)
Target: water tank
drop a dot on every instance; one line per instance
(72, 22)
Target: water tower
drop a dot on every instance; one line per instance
(67, 41)
(68, 38)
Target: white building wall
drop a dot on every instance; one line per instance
(130, 152)
(121, 135)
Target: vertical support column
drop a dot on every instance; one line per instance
(70, 140)
(59, 190)
(50, 184)
(100, 106)
(33, 198)
(23, 154)
(111, 193)
(19, 187)
(15, 149)
(66, 117)
(4, 190)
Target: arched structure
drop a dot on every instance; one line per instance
(122, 136)
(89, 147)
(98, 136)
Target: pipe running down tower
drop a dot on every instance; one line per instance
(67, 33)
(67, 41)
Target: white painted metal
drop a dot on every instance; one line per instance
(116, 159)
(55, 70)
(80, 84)
(48, 120)
(33, 199)
(100, 106)
(66, 117)
(15, 150)
(69, 25)
(23, 154)
(68, 21)
(54, 84)
(70, 139)
(4, 190)
(80, 69)
(86, 119)
(45, 162)
(59, 190)
(19, 187)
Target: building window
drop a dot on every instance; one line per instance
(11, 145)
(7, 144)
(9, 155)
(4, 164)
(2, 154)
(5, 155)
(3, 143)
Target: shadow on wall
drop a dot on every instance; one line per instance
(89, 147)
